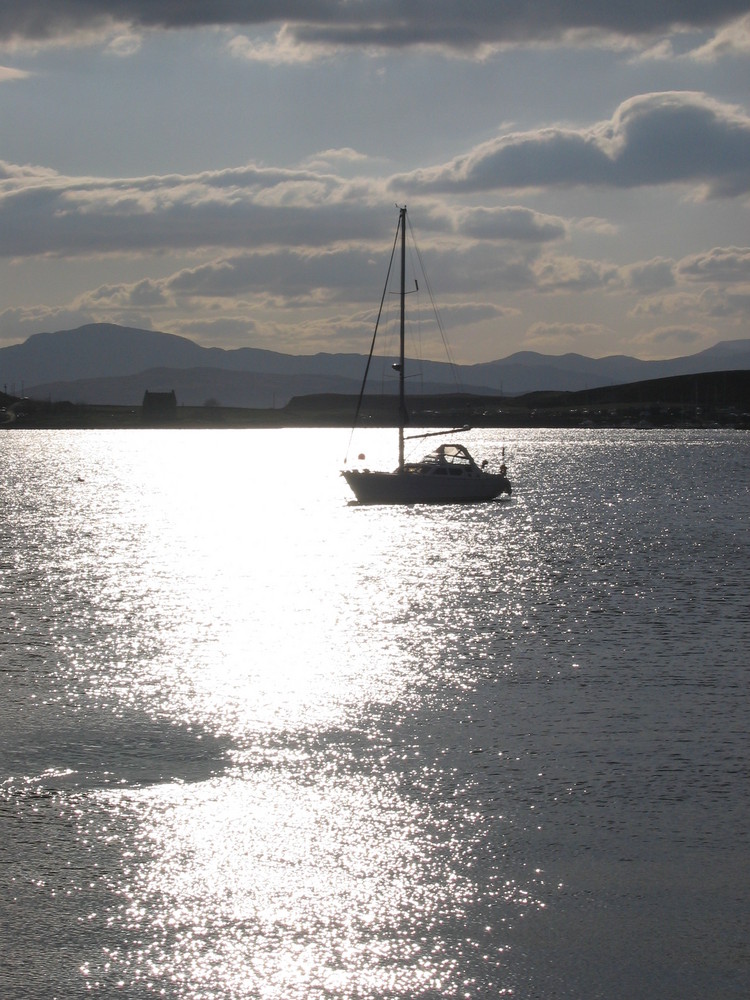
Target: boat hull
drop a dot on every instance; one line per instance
(408, 488)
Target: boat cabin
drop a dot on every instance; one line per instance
(446, 460)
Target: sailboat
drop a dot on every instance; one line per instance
(446, 475)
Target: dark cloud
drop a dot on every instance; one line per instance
(651, 276)
(456, 25)
(290, 277)
(652, 139)
(44, 213)
(451, 24)
(284, 275)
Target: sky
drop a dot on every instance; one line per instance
(577, 174)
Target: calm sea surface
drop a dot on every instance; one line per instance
(258, 742)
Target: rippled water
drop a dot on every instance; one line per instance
(258, 742)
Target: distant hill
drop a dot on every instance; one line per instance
(108, 364)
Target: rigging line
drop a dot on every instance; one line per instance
(441, 328)
(372, 345)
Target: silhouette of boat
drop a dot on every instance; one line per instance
(446, 475)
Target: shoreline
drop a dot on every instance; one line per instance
(714, 399)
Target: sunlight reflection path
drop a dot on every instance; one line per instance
(291, 885)
(294, 626)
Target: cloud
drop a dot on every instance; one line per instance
(329, 159)
(328, 156)
(650, 276)
(42, 212)
(8, 74)
(45, 213)
(288, 278)
(295, 291)
(16, 324)
(282, 49)
(652, 139)
(125, 45)
(561, 336)
(714, 284)
(673, 341)
(732, 40)
(227, 331)
(322, 25)
(469, 313)
(731, 303)
(284, 277)
(723, 273)
(722, 264)
(144, 294)
(570, 274)
(509, 223)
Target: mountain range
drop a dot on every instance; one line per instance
(113, 365)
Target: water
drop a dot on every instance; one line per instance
(256, 742)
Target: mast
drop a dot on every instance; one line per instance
(402, 415)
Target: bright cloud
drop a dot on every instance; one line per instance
(671, 138)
